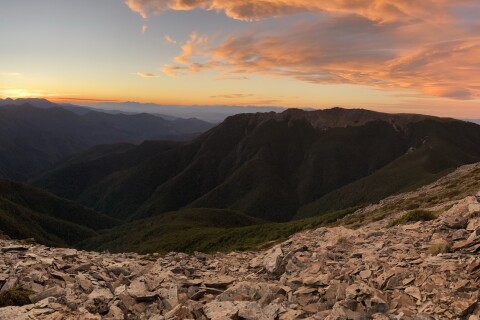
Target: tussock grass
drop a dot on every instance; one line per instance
(474, 215)
(437, 248)
(414, 216)
(342, 240)
(204, 230)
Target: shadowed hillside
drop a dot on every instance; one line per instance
(27, 212)
(274, 166)
(33, 138)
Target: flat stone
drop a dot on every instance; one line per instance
(139, 292)
(224, 310)
(414, 292)
(463, 307)
(365, 274)
(273, 261)
(14, 248)
(69, 253)
(50, 292)
(219, 282)
(473, 224)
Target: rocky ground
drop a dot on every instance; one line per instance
(421, 270)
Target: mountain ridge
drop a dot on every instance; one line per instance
(269, 165)
(32, 139)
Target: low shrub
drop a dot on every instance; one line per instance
(437, 248)
(414, 216)
(473, 215)
(15, 297)
(414, 205)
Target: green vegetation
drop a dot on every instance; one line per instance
(414, 216)
(76, 173)
(435, 158)
(342, 240)
(26, 212)
(473, 215)
(205, 230)
(273, 168)
(15, 297)
(437, 248)
(463, 185)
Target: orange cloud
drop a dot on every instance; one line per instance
(424, 45)
(234, 96)
(193, 46)
(447, 69)
(346, 50)
(376, 10)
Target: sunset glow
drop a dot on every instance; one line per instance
(387, 55)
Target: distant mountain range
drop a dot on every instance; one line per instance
(275, 167)
(135, 182)
(214, 114)
(37, 102)
(36, 133)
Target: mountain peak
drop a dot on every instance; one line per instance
(37, 102)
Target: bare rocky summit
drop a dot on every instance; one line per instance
(380, 270)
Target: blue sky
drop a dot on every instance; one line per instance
(394, 56)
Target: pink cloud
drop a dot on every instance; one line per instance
(192, 47)
(377, 10)
(321, 53)
(447, 69)
(387, 44)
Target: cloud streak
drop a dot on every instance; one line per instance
(170, 40)
(146, 75)
(10, 74)
(234, 96)
(376, 10)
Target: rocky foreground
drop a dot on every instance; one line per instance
(421, 270)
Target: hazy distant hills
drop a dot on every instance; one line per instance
(37, 102)
(270, 166)
(214, 114)
(35, 136)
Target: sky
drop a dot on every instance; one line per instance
(388, 55)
